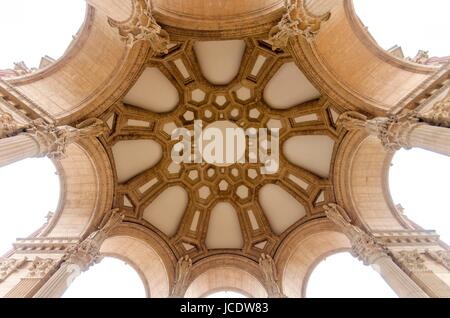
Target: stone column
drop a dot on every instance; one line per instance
(268, 268)
(182, 272)
(416, 265)
(40, 139)
(366, 249)
(406, 131)
(79, 258)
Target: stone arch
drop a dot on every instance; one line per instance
(98, 86)
(86, 183)
(362, 183)
(323, 61)
(302, 250)
(146, 253)
(225, 272)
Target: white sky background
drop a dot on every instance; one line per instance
(28, 29)
(29, 189)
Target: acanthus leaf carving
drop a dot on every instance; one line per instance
(55, 139)
(86, 253)
(142, 26)
(364, 246)
(439, 114)
(8, 126)
(297, 21)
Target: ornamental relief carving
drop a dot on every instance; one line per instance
(410, 261)
(40, 267)
(142, 27)
(297, 21)
(9, 266)
(267, 266)
(439, 114)
(441, 257)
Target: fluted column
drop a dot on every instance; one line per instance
(366, 249)
(406, 131)
(79, 258)
(40, 139)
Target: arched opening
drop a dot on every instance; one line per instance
(33, 22)
(30, 193)
(390, 26)
(343, 276)
(418, 182)
(111, 278)
(226, 293)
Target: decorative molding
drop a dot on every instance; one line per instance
(40, 267)
(9, 266)
(410, 261)
(86, 253)
(364, 246)
(297, 21)
(142, 26)
(439, 114)
(268, 268)
(392, 131)
(53, 140)
(182, 272)
(8, 126)
(441, 257)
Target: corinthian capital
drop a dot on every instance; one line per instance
(142, 27)
(8, 126)
(54, 140)
(182, 272)
(364, 246)
(296, 21)
(86, 253)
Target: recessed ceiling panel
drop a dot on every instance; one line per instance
(311, 152)
(220, 60)
(166, 211)
(135, 156)
(289, 87)
(224, 230)
(153, 91)
(281, 209)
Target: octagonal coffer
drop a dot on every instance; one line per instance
(166, 210)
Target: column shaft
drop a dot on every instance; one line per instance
(18, 147)
(397, 279)
(433, 138)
